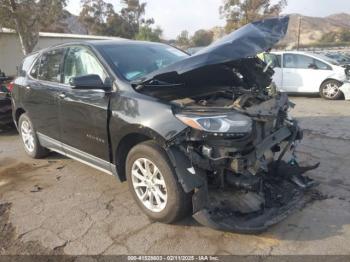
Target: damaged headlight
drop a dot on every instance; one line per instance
(228, 123)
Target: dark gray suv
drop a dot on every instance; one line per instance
(201, 135)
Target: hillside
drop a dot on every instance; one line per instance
(69, 24)
(313, 28)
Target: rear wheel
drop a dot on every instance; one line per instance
(30, 139)
(330, 90)
(153, 184)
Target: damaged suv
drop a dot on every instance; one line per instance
(201, 134)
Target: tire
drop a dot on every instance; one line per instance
(330, 90)
(29, 138)
(177, 204)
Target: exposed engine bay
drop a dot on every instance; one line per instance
(241, 146)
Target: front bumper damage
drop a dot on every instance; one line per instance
(244, 185)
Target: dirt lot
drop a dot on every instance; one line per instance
(58, 205)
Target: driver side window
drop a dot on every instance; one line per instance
(80, 62)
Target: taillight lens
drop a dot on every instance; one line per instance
(10, 86)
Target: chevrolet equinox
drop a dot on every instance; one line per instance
(206, 135)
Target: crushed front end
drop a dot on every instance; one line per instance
(238, 157)
(245, 177)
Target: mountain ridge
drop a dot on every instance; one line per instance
(313, 28)
(311, 31)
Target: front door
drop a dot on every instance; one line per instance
(292, 78)
(303, 73)
(84, 113)
(274, 61)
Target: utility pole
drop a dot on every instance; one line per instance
(299, 32)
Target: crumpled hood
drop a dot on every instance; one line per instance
(245, 42)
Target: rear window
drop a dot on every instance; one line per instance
(50, 66)
(26, 64)
(297, 61)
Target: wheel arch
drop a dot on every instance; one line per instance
(130, 140)
(329, 79)
(19, 111)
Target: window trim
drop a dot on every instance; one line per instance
(66, 48)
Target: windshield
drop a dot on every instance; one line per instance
(137, 60)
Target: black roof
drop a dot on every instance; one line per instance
(99, 43)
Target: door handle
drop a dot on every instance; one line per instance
(62, 96)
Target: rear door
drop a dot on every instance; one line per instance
(41, 90)
(84, 113)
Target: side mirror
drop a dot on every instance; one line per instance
(89, 82)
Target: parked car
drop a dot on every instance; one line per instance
(342, 59)
(5, 101)
(301, 72)
(190, 134)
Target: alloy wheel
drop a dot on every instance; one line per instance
(27, 136)
(149, 185)
(331, 90)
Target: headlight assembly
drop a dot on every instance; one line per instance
(228, 123)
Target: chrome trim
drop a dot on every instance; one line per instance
(46, 141)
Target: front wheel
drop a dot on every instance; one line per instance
(30, 139)
(330, 90)
(153, 184)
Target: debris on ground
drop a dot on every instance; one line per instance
(36, 189)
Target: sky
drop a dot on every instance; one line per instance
(173, 16)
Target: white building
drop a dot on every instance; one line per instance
(11, 53)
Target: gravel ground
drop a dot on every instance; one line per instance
(59, 206)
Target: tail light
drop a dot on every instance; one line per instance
(10, 86)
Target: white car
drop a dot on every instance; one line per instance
(301, 72)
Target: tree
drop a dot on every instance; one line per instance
(183, 39)
(147, 33)
(28, 16)
(240, 12)
(344, 36)
(134, 15)
(100, 18)
(117, 26)
(94, 15)
(202, 38)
